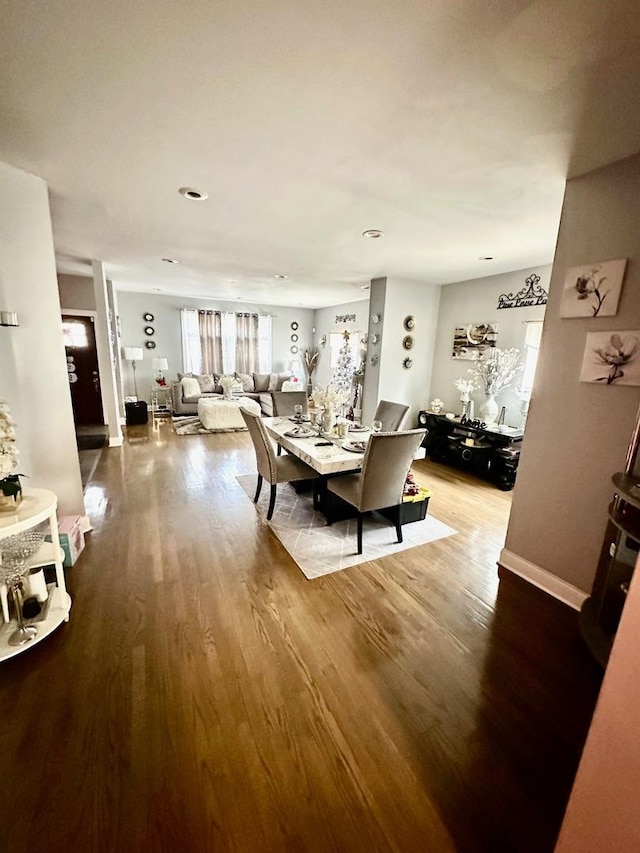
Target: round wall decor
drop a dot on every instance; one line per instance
(294, 325)
(375, 319)
(149, 330)
(407, 342)
(375, 339)
(407, 363)
(294, 338)
(150, 344)
(148, 318)
(293, 349)
(409, 323)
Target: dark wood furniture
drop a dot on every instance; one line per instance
(492, 453)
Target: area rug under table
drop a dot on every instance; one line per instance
(191, 425)
(319, 549)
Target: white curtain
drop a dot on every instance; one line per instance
(210, 324)
(265, 325)
(191, 350)
(228, 343)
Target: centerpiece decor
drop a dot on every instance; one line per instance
(494, 371)
(465, 387)
(10, 488)
(228, 383)
(310, 359)
(328, 398)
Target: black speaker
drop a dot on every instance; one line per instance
(136, 413)
(422, 419)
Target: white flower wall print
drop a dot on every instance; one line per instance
(593, 290)
(612, 358)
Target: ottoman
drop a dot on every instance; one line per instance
(221, 414)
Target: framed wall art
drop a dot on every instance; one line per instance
(470, 341)
(612, 358)
(593, 290)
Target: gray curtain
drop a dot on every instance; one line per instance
(210, 324)
(246, 343)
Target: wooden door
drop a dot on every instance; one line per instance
(82, 367)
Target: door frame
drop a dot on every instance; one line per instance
(78, 312)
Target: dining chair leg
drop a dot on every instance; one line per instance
(359, 533)
(316, 493)
(272, 502)
(398, 522)
(255, 500)
(279, 450)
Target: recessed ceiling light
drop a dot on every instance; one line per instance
(372, 233)
(280, 276)
(170, 261)
(194, 195)
(487, 258)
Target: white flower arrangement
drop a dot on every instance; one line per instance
(329, 396)
(227, 381)
(436, 405)
(496, 368)
(8, 449)
(465, 387)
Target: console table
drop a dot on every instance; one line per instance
(37, 506)
(491, 452)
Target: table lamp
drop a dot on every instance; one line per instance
(160, 364)
(134, 354)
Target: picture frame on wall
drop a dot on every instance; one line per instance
(612, 358)
(471, 340)
(593, 290)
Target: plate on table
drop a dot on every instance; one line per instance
(358, 428)
(355, 446)
(304, 419)
(299, 432)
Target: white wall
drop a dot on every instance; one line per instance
(166, 310)
(578, 433)
(33, 368)
(76, 292)
(476, 301)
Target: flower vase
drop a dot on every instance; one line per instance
(227, 393)
(488, 411)
(328, 420)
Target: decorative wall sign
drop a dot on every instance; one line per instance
(148, 318)
(612, 358)
(407, 363)
(593, 290)
(469, 342)
(531, 294)
(150, 344)
(410, 323)
(407, 342)
(345, 318)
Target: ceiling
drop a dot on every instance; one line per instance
(449, 124)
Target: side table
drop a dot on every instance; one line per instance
(37, 506)
(160, 398)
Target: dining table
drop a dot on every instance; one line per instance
(327, 454)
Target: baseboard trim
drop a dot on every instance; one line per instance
(563, 591)
(116, 441)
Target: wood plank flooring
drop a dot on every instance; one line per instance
(206, 697)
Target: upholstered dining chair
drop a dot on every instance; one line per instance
(283, 403)
(391, 415)
(380, 483)
(275, 469)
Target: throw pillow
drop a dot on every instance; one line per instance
(181, 376)
(207, 383)
(190, 387)
(261, 381)
(282, 377)
(246, 381)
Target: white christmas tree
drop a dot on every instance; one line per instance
(8, 449)
(344, 375)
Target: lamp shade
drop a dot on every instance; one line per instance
(133, 353)
(160, 364)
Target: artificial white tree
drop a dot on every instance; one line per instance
(345, 371)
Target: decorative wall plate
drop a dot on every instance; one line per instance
(410, 323)
(294, 325)
(375, 339)
(149, 330)
(294, 338)
(148, 318)
(293, 349)
(150, 344)
(407, 342)
(374, 360)
(375, 319)
(407, 363)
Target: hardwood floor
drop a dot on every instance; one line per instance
(206, 697)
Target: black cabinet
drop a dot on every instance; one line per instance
(492, 453)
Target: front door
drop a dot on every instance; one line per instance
(82, 368)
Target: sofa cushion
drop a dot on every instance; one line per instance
(190, 387)
(247, 381)
(182, 375)
(276, 380)
(261, 381)
(207, 382)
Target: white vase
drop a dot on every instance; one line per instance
(488, 411)
(328, 420)
(227, 393)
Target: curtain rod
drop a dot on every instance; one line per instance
(218, 311)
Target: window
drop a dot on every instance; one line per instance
(264, 344)
(191, 349)
(229, 328)
(75, 334)
(532, 338)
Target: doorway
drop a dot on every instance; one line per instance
(84, 381)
